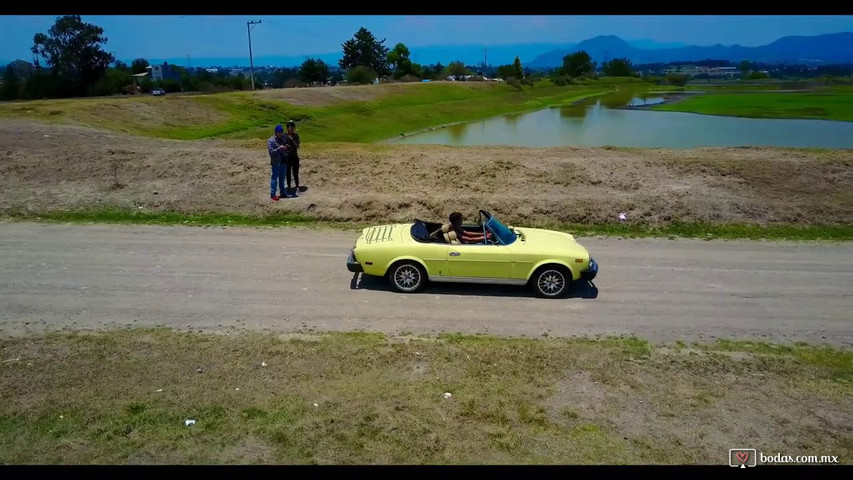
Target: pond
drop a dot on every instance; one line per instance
(611, 120)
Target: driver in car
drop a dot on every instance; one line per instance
(465, 236)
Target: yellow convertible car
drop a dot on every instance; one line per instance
(411, 254)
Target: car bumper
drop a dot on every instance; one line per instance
(590, 272)
(353, 265)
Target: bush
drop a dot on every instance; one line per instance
(513, 82)
(563, 80)
(409, 78)
(756, 76)
(293, 83)
(361, 75)
(170, 86)
(677, 79)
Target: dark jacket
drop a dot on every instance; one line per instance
(294, 145)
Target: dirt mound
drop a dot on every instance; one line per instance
(60, 167)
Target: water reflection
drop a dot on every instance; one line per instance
(620, 119)
(457, 132)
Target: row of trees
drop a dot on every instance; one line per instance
(580, 64)
(70, 60)
(366, 58)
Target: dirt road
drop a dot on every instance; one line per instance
(215, 279)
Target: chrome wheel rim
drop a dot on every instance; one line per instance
(552, 282)
(407, 277)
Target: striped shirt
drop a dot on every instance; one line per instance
(277, 157)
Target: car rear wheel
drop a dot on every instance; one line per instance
(552, 281)
(407, 277)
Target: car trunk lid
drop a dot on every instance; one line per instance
(381, 233)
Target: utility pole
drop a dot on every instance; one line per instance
(251, 62)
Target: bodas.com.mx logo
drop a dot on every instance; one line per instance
(742, 457)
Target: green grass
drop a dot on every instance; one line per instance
(242, 115)
(425, 106)
(705, 231)
(826, 104)
(123, 397)
(838, 365)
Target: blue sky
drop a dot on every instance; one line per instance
(225, 36)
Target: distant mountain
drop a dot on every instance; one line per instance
(828, 48)
(652, 45)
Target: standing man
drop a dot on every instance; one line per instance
(277, 148)
(292, 141)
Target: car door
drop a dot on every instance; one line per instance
(479, 261)
(434, 257)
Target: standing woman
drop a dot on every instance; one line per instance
(292, 139)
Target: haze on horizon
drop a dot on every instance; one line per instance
(132, 36)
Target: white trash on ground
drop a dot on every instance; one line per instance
(189, 422)
(447, 395)
(623, 216)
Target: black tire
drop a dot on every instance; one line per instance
(407, 276)
(551, 281)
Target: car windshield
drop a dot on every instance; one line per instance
(504, 234)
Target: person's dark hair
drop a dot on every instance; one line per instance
(291, 123)
(455, 217)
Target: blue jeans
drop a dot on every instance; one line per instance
(277, 177)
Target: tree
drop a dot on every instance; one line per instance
(577, 64)
(516, 68)
(72, 49)
(314, 71)
(11, 88)
(282, 75)
(744, 67)
(618, 67)
(361, 74)
(364, 49)
(114, 81)
(139, 66)
(506, 71)
(457, 69)
(398, 58)
(677, 79)
(756, 76)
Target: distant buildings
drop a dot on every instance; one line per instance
(163, 72)
(712, 72)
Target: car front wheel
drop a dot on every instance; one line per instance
(407, 277)
(552, 282)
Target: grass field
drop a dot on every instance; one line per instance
(356, 114)
(835, 103)
(124, 397)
